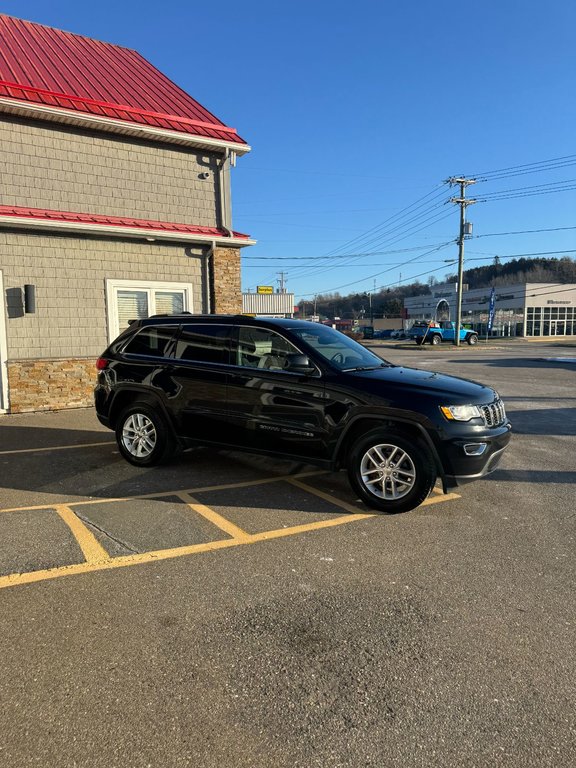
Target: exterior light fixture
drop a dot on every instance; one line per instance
(29, 299)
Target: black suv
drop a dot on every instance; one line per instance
(298, 390)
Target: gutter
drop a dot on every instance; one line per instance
(110, 230)
(84, 120)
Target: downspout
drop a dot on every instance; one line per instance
(224, 190)
(209, 292)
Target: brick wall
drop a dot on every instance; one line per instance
(227, 293)
(47, 385)
(53, 167)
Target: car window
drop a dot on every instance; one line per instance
(262, 348)
(150, 341)
(204, 343)
(340, 350)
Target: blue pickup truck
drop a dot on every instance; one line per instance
(437, 332)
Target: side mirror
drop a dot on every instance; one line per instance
(298, 364)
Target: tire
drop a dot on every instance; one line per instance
(435, 339)
(143, 436)
(419, 340)
(472, 339)
(391, 472)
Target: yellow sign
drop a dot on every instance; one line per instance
(264, 289)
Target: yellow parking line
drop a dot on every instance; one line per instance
(57, 448)
(92, 550)
(439, 496)
(327, 497)
(216, 519)
(16, 579)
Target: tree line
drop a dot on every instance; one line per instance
(388, 301)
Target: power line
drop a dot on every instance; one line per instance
(525, 194)
(524, 232)
(377, 274)
(343, 256)
(541, 165)
(532, 187)
(412, 231)
(396, 216)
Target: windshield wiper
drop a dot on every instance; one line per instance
(367, 367)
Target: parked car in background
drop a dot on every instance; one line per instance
(437, 332)
(300, 391)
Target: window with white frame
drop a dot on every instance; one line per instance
(134, 300)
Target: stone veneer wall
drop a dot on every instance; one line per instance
(226, 285)
(49, 385)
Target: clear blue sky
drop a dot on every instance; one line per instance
(356, 110)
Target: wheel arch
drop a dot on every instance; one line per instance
(125, 396)
(365, 423)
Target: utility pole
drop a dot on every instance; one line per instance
(463, 202)
(282, 282)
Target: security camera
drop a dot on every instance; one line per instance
(205, 175)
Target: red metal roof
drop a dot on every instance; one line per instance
(146, 225)
(47, 66)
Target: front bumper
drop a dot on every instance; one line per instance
(461, 468)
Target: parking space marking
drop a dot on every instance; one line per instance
(92, 550)
(17, 579)
(216, 519)
(327, 497)
(437, 496)
(97, 559)
(56, 448)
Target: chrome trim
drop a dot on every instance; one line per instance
(494, 414)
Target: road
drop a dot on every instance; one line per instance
(235, 611)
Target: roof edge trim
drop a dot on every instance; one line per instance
(111, 230)
(121, 107)
(122, 127)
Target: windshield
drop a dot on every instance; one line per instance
(341, 351)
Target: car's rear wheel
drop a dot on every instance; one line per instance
(419, 340)
(391, 472)
(143, 436)
(435, 339)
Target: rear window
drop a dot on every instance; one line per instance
(150, 341)
(203, 343)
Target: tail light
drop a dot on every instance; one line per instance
(102, 363)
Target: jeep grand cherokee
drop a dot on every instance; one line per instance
(301, 391)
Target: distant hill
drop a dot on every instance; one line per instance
(520, 271)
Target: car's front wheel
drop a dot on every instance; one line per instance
(472, 339)
(143, 436)
(391, 472)
(435, 339)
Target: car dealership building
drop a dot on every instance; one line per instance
(529, 310)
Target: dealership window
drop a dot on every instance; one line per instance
(134, 300)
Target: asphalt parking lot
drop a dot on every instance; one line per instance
(234, 610)
(111, 515)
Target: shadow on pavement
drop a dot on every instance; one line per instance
(543, 421)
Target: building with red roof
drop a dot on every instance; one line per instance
(115, 204)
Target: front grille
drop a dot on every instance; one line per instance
(494, 414)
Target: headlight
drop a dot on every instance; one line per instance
(460, 412)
